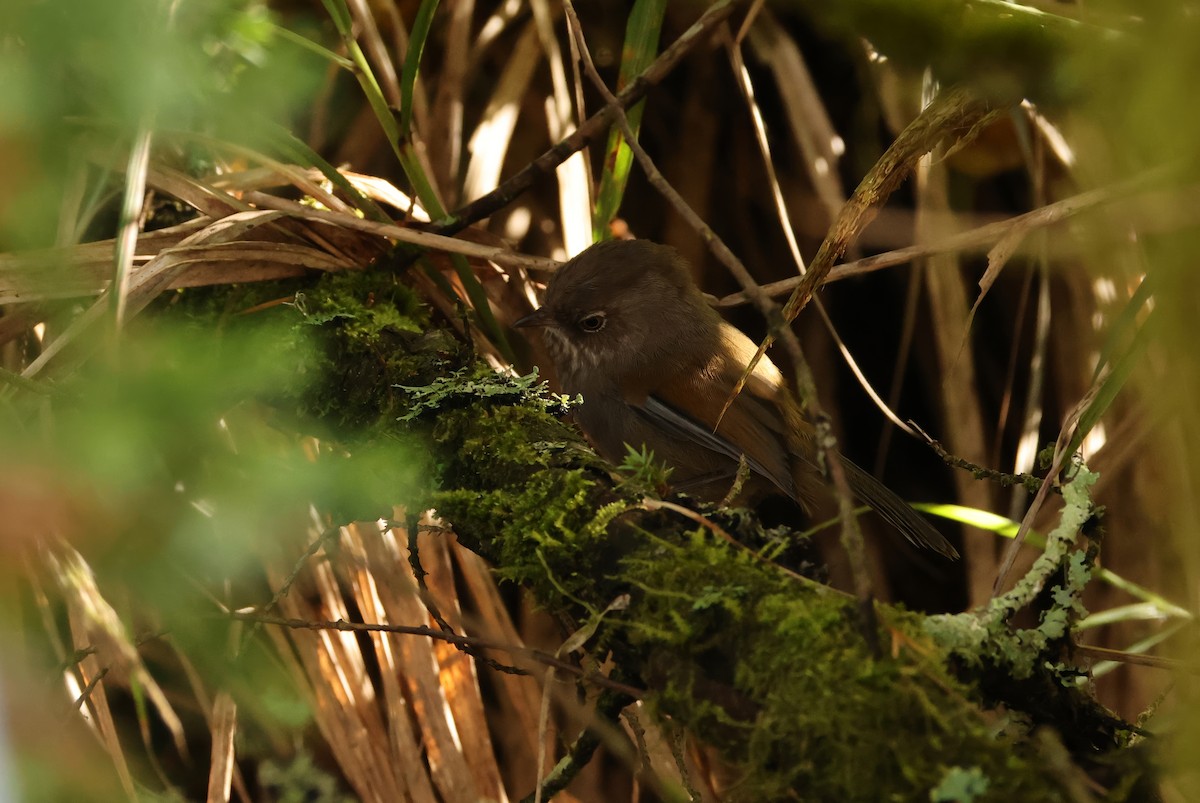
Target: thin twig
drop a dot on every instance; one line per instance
(320, 542)
(90, 687)
(1030, 482)
(980, 237)
(127, 233)
(581, 752)
(1061, 455)
(419, 573)
(429, 632)
(1137, 659)
(414, 562)
(660, 504)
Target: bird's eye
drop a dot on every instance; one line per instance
(593, 322)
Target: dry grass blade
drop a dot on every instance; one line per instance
(819, 174)
(214, 252)
(574, 183)
(91, 257)
(425, 688)
(764, 145)
(204, 264)
(131, 216)
(489, 141)
(110, 657)
(206, 703)
(221, 767)
(92, 695)
(385, 68)
(952, 113)
(520, 694)
(385, 591)
(459, 678)
(987, 235)
(198, 193)
(998, 257)
(958, 395)
(908, 328)
(372, 187)
(82, 673)
(451, 245)
(155, 277)
(381, 760)
(811, 128)
(1027, 446)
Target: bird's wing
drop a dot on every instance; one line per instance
(753, 426)
(666, 417)
(764, 416)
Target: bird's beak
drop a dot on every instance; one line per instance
(539, 318)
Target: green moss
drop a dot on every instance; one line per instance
(367, 306)
(777, 673)
(525, 493)
(377, 337)
(372, 333)
(498, 447)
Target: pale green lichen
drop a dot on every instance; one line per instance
(986, 637)
(960, 785)
(477, 384)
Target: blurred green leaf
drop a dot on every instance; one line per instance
(79, 78)
(1005, 50)
(189, 448)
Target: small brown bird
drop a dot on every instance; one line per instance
(628, 328)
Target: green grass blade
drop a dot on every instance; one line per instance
(641, 46)
(1007, 528)
(307, 44)
(401, 144)
(1112, 385)
(1123, 324)
(412, 63)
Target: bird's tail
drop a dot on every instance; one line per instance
(895, 511)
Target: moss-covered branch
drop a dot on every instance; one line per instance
(768, 667)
